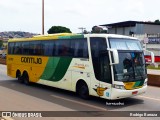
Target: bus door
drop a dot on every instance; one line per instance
(105, 81)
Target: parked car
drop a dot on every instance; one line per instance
(3, 52)
(3, 55)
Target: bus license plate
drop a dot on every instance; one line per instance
(134, 93)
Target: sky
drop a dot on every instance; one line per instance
(26, 15)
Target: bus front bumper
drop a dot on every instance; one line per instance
(119, 94)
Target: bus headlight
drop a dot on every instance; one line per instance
(118, 86)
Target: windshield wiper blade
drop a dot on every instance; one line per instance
(129, 76)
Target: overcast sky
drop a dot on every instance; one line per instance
(25, 15)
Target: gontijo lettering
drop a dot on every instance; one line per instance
(31, 60)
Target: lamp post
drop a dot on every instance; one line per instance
(42, 17)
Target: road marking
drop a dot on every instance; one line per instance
(93, 106)
(150, 98)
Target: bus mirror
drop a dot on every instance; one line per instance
(152, 58)
(115, 56)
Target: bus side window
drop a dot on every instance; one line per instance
(105, 72)
(31, 49)
(72, 47)
(11, 48)
(77, 52)
(48, 47)
(18, 48)
(64, 48)
(97, 45)
(56, 52)
(35, 48)
(80, 48)
(85, 49)
(38, 48)
(25, 46)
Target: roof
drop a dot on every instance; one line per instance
(129, 24)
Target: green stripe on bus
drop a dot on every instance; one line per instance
(77, 36)
(69, 37)
(61, 69)
(56, 68)
(64, 37)
(141, 83)
(50, 68)
(138, 83)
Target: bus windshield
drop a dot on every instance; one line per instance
(125, 44)
(131, 65)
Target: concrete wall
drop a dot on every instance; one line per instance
(121, 30)
(112, 30)
(151, 29)
(129, 29)
(139, 29)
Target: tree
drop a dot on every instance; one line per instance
(1, 43)
(85, 32)
(98, 29)
(157, 21)
(58, 29)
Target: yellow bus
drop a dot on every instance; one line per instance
(103, 65)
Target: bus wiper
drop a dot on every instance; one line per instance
(129, 76)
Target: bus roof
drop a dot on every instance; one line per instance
(68, 36)
(49, 36)
(110, 36)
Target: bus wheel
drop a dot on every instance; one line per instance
(83, 91)
(26, 79)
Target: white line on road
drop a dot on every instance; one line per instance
(93, 106)
(150, 98)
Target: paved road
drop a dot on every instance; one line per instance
(19, 97)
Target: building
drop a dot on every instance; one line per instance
(150, 42)
(133, 27)
(147, 32)
(4, 40)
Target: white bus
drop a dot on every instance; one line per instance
(103, 65)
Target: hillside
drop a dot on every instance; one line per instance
(15, 34)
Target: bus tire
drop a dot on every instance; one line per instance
(18, 75)
(26, 78)
(82, 90)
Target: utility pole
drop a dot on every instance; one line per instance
(82, 28)
(42, 17)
